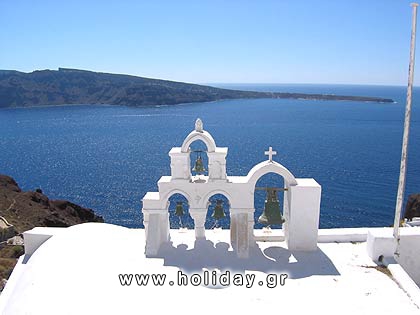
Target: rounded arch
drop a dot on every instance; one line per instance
(203, 136)
(168, 195)
(263, 168)
(216, 192)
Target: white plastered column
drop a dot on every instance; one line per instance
(217, 164)
(199, 217)
(156, 229)
(302, 215)
(241, 231)
(156, 223)
(180, 164)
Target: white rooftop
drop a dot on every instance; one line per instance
(76, 271)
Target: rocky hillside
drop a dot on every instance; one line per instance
(25, 210)
(72, 86)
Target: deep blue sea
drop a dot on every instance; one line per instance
(107, 157)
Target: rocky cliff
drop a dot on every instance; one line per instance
(25, 210)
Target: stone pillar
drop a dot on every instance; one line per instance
(180, 164)
(199, 217)
(156, 229)
(302, 216)
(241, 231)
(217, 164)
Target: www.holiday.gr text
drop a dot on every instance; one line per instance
(207, 278)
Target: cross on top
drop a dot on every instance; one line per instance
(270, 153)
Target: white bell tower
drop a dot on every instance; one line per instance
(301, 207)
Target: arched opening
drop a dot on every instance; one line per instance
(179, 214)
(269, 201)
(199, 161)
(197, 135)
(218, 212)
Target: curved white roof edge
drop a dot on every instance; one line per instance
(265, 167)
(197, 135)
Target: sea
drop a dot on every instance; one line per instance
(107, 157)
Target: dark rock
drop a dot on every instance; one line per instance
(412, 209)
(25, 210)
(9, 183)
(38, 198)
(86, 215)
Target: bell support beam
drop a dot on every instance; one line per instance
(272, 188)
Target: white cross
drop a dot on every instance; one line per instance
(270, 153)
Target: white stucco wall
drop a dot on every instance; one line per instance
(380, 242)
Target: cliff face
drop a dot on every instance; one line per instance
(25, 210)
(72, 86)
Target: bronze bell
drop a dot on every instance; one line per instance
(199, 167)
(271, 214)
(179, 210)
(218, 212)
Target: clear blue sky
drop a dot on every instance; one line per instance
(279, 41)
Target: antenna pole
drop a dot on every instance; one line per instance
(403, 167)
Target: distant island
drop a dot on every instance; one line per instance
(73, 86)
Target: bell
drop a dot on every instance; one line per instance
(199, 167)
(218, 212)
(179, 210)
(271, 214)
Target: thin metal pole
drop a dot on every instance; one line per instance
(403, 167)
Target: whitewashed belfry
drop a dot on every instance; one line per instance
(301, 202)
